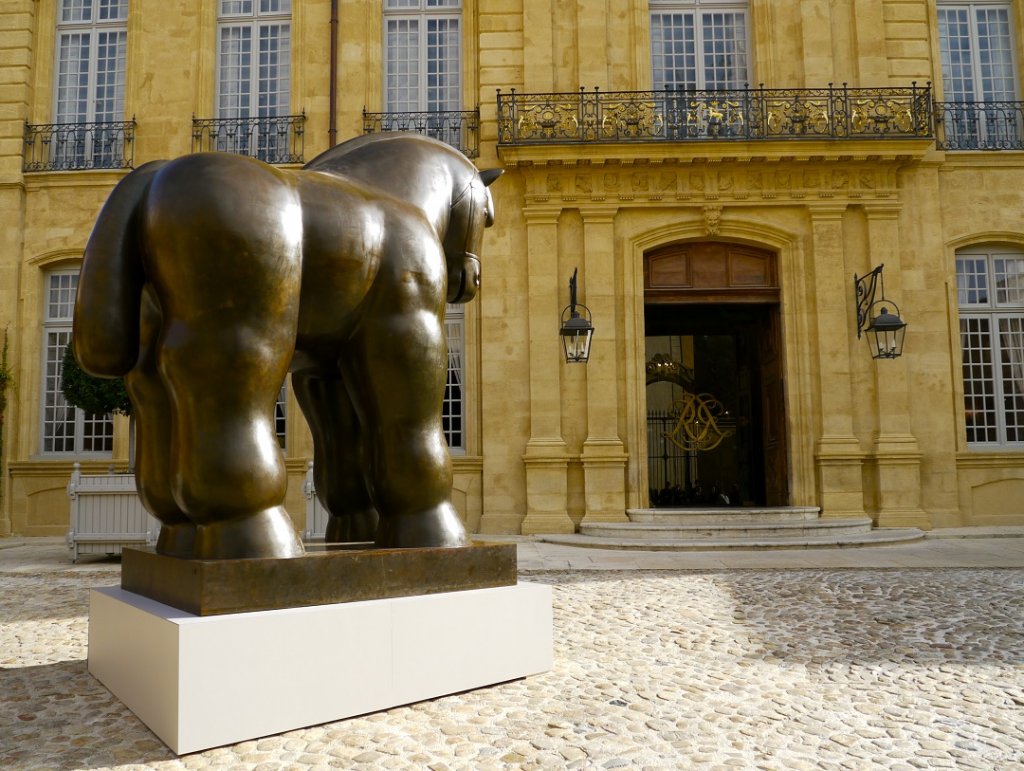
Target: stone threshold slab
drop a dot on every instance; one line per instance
(322, 577)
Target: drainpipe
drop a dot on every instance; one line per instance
(332, 130)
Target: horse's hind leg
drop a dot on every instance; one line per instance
(223, 255)
(229, 476)
(338, 464)
(402, 358)
(152, 410)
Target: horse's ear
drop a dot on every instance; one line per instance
(487, 176)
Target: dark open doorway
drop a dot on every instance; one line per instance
(715, 421)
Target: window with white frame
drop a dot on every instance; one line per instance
(990, 287)
(92, 44)
(453, 412)
(976, 49)
(254, 74)
(423, 61)
(699, 44)
(281, 415)
(66, 429)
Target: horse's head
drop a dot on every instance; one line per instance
(472, 211)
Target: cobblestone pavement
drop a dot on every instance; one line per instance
(743, 669)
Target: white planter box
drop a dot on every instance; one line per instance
(316, 514)
(106, 514)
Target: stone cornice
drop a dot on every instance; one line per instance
(989, 459)
(653, 153)
(40, 180)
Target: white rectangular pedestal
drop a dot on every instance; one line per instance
(207, 681)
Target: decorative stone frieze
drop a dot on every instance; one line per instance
(865, 181)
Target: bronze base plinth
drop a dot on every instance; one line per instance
(323, 577)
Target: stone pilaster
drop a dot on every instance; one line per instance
(604, 456)
(538, 39)
(592, 43)
(839, 456)
(816, 34)
(17, 22)
(869, 41)
(897, 456)
(546, 457)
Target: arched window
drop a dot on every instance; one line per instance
(281, 416)
(990, 286)
(65, 429)
(453, 412)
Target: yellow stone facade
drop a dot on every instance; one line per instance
(549, 444)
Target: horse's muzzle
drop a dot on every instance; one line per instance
(463, 277)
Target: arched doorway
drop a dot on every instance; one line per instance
(715, 399)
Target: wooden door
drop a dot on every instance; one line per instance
(773, 412)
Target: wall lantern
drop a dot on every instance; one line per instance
(884, 328)
(576, 330)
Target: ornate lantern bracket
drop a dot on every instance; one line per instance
(576, 328)
(884, 330)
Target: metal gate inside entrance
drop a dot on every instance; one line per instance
(701, 410)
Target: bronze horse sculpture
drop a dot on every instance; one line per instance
(208, 278)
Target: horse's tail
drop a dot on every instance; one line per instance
(106, 325)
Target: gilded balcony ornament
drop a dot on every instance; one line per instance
(835, 112)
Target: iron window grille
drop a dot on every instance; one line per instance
(980, 125)
(278, 139)
(458, 128)
(79, 146)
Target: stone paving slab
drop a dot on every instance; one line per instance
(725, 669)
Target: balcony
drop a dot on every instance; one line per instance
(277, 139)
(980, 125)
(79, 146)
(458, 128)
(747, 114)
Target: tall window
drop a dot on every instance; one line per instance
(453, 411)
(66, 429)
(990, 284)
(254, 74)
(699, 44)
(976, 48)
(281, 415)
(423, 62)
(92, 43)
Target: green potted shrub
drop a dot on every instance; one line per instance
(96, 395)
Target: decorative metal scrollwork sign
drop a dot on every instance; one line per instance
(703, 423)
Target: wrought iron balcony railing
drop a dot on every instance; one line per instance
(459, 128)
(79, 146)
(277, 139)
(980, 125)
(735, 114)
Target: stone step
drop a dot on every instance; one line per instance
(877, 537)
(723, 529)
(701, 516)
